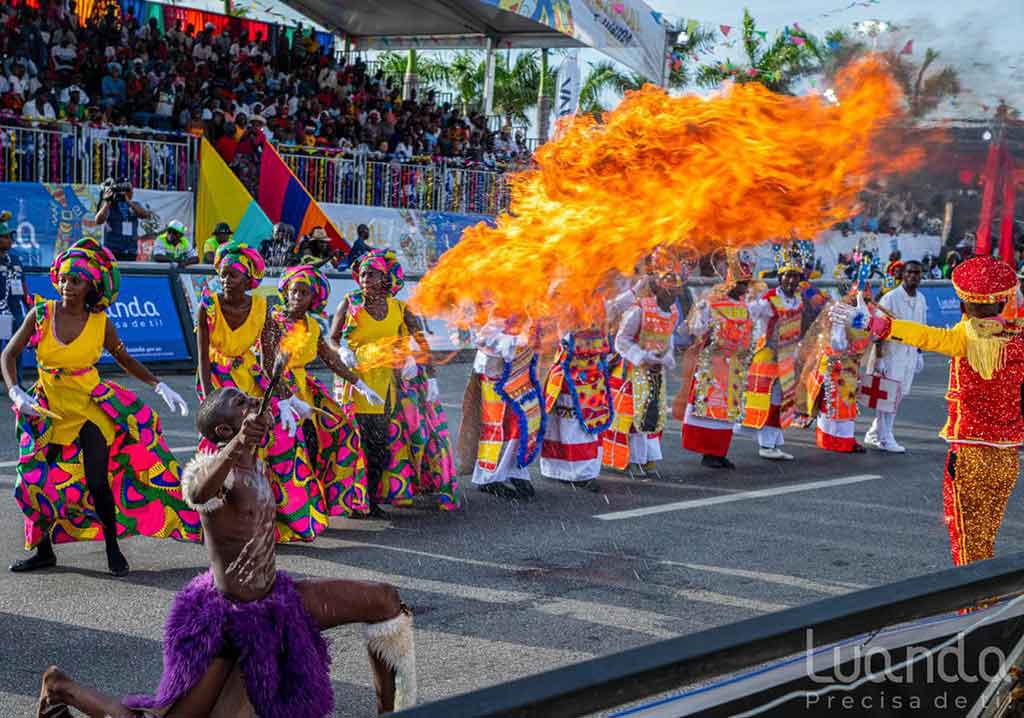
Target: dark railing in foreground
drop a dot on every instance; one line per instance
(615, 680)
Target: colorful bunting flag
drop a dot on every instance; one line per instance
(691, 26)
(619, 8)
(908, 49)
(762, 34)
(726, 29)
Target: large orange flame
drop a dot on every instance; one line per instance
(741, 168)
(295, 339)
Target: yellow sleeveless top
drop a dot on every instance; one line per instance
(67, 374)
(367, 330)
(227, 344)
(305, 355)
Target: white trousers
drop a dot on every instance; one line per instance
(881, 428)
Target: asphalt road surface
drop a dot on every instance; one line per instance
(506, 589)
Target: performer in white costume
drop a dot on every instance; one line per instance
(898, 362)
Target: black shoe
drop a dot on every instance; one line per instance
(117, 564)
(35, 562)
(376, 512)
(716, 462)
(858, 449)
(592, 486)
(500, 489)
(524, 488)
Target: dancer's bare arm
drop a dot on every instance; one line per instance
(329, 357)
(417, 329)
(209, 484)
(337, 325)
(14, 348)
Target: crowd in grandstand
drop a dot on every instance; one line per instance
(112, 72)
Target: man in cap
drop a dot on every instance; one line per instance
(221, 235)
(13, 292)
(984, 428)
(172, 245)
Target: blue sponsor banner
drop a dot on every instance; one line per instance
(145, 316)
(943, 305)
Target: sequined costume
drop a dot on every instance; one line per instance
(579, 407)
(984, 427)
(724, 329)
(771, 381)
(831, 381)
(302, 512)
(643, 344)
(51, 488)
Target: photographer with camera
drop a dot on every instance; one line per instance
(120, 217)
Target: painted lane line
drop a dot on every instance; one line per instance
(829, 587)
(713, 500)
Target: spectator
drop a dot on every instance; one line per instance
(114, 91)
(13, 290)
(39, 107)
(72, 109)
(221, 235)
(65, 55)
(120, 216)
(227, 144)
(280, 247)
(359, 247)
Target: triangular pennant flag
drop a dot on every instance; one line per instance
(726, 29)
(762, 34)
(908, 49)
(691, 26)
(656, 15)
(797, 40)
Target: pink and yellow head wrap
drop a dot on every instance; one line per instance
(312, 278)
(383, 260)
(242, 257)
(88, 259)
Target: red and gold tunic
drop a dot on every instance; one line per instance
(832, 387)
(720, 375)
(775, 360)
(981, 411)
(580, 371)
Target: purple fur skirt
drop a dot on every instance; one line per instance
(282, 656)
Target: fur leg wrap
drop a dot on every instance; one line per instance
(392, 642)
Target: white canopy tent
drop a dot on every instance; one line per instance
(626, 30)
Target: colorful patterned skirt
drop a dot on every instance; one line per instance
(425, 429)
(144, 476)
(341, 466)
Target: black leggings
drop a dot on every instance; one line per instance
(373, 433)
(95, 460)
(312, 442)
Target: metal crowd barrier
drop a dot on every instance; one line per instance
(439, 187)
(610, 681)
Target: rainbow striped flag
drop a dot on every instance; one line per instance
(223, 198)
(285, 199)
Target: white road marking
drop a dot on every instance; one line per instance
(712, 500)
(832, 588)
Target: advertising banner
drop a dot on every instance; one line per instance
(943, 305)
(145, 316)
(47, 217)
(418, 238)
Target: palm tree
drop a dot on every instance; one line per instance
(602, 78)
(924, 92)
(685, 50)
(791, 55)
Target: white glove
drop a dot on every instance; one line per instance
(919, 367)
(171, 398)
(433, 393)
(369, 394)
(409, 370)
(505, 346)
(289, 419)
(22, 401)
(301, 408)
(347, 357)
(841, 313)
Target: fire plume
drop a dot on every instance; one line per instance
(741, 168)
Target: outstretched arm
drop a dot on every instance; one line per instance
(415, 326)
(14, 348)
(330, 358)
(113, 344)
(338, 324)
(203, 341)
(951, 342)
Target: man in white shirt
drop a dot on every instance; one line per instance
(898, 362)
(64, 55)
(38, 108)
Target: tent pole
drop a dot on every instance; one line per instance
(489, 69)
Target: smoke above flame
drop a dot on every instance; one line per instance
(738, 169)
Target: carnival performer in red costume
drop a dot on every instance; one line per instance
(984, 429)
(772, 379)
(723, 326)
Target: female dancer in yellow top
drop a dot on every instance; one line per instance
(94, 465)
(406, 439)
(329, 428)
(237, 348)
